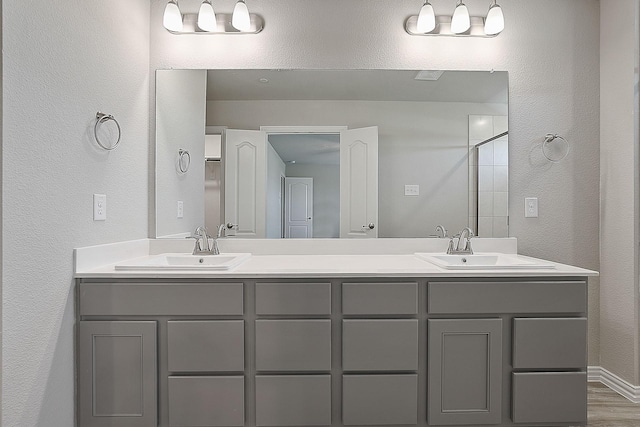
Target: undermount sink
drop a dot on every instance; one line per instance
(182, 261)
(483, 261)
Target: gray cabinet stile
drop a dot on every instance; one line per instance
(331, 352)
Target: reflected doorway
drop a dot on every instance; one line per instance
(309, 166)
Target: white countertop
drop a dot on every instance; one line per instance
(309, 258)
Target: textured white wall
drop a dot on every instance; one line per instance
(619, 350)
(64, 60)
(550, 49)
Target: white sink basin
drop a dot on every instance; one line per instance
(483, 261)
(185, 262)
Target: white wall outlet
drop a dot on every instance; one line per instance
(180, 209)
(99, 207)
(531, 207)
(412, 190)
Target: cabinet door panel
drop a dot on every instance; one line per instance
(465, 371)
(293, 345)
(379, 399)
(206, 346)
(380, 345)
(550, 343)
(380, 298)
(293, 400)
(549, 397)
(293, 298)
(117, 374)
(156, 299)
(206, 401)
(507, 297)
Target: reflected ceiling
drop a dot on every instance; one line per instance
(364, 85)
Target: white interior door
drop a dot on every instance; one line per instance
(359, 182)
(245, 164)
(298, 212)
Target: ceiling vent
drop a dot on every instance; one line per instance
(431, 75)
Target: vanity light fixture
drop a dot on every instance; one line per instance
(207, 17)
(426, 19)
(460, 24)
(172, 18)
(494, 23)
(241, 19)
(207, 21)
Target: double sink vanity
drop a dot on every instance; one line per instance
(328, 332)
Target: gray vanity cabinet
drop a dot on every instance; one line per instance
(336, 352)
(465, 371)
(117, 372)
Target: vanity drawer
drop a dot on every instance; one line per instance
(534, 403)
(293, 298)
(206, 401)
(206, 346)
(379, 400)
(380, 345)
(507, 297)
(293, 400)
(550, 343)
(293, 345)
(122, 299)
(380, 298)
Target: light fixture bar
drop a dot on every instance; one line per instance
(190, 25)
(443, 27)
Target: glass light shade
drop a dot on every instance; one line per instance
(240, 18)
(207, 17)
(172, 19)
(426, 19)
(460, 21)
(494, 23)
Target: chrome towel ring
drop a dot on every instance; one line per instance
(184, 160)
(102, 118)
(555, 148)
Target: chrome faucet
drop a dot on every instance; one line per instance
(463, 247)
(203, 248)
(441, 229)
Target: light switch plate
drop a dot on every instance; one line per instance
(99, 207)
(531, 207)
(412, 190)
(180, 209)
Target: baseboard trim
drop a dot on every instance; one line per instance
(614, 382)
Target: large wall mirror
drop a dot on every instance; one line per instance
(331, 153)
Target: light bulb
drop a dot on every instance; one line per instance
(240, 18)
(207, 17)
(172, 19)
(494, 23)
(426, 19)
(460, 21)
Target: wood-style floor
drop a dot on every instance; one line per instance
(606, 408)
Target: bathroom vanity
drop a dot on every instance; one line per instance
(332, 340)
